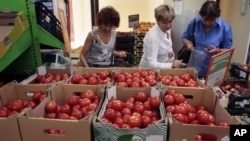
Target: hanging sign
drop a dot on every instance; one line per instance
(133, 20)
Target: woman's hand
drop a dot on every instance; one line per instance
(122, 54)
(177, 63)
(212, 50)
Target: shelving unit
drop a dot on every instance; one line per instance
(23, 55)
(138, 49)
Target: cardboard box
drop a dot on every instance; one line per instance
(207, 98)
(9, 127)
(103, 131)
(43, 70)
(12, 26)
(179, 72)
(75, 130)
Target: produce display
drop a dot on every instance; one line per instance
(134, 112)
(14, 107)
(139, 78)
(184, 80)
(103, 77)
(51, 78)
(182, 111)
(75, 108)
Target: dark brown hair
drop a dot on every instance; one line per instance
(210, 10)
(108, 16)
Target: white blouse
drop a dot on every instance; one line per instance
(156, 47)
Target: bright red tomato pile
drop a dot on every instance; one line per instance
(184, 80)
(176, 104)
(16, 106)
(103, 77)
(50, 78)
(134, 112)
(75, 107)
(140, 78)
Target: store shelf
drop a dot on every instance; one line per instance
(23, 55)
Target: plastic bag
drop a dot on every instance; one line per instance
(197, 59)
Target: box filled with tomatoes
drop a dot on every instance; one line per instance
(67, 116)
(179, 77)
(129, 113)
(196, 112)
(91, 76)
(47, 75)
(135, 77)
(15, 100)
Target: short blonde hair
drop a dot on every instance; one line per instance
(164, 13)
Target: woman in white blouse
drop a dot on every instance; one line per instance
(157, 43)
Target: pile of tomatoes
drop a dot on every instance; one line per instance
(182, 111)
(51, 78)
(184, 80)
(74, 108)
(134, 112)
(16, 106)
(140, 78)
(104, 77)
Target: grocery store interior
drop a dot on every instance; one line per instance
(45, 95)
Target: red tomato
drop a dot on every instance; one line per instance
(104, 74)
(110, 114)
(223, 123)
(191, 116)
(126, 111)
(134, 121)
(146, 120)
(135, 84)
(117, 104)
(179, 98)
(63, 116)
(170, 108)
(126, 126)
(36, 96)
(76, 113)
(92, 107)
(165, 81)
(119, 121)
(139, 108)
(50, 115)
(155, 101)
(75, 79)
(203, 118)
(168, 100)
(3, 113)
(180, 117)
(181, 83)
(92, 80)
(147, 105)
(141, 96)
(129, 105)
(51, 107)
(181, 109)
(31, 104)
(121, 78)
(84, 102)
(186, 77)
(90, 95)
(71, 101)
(65, 109)
(148, 113)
